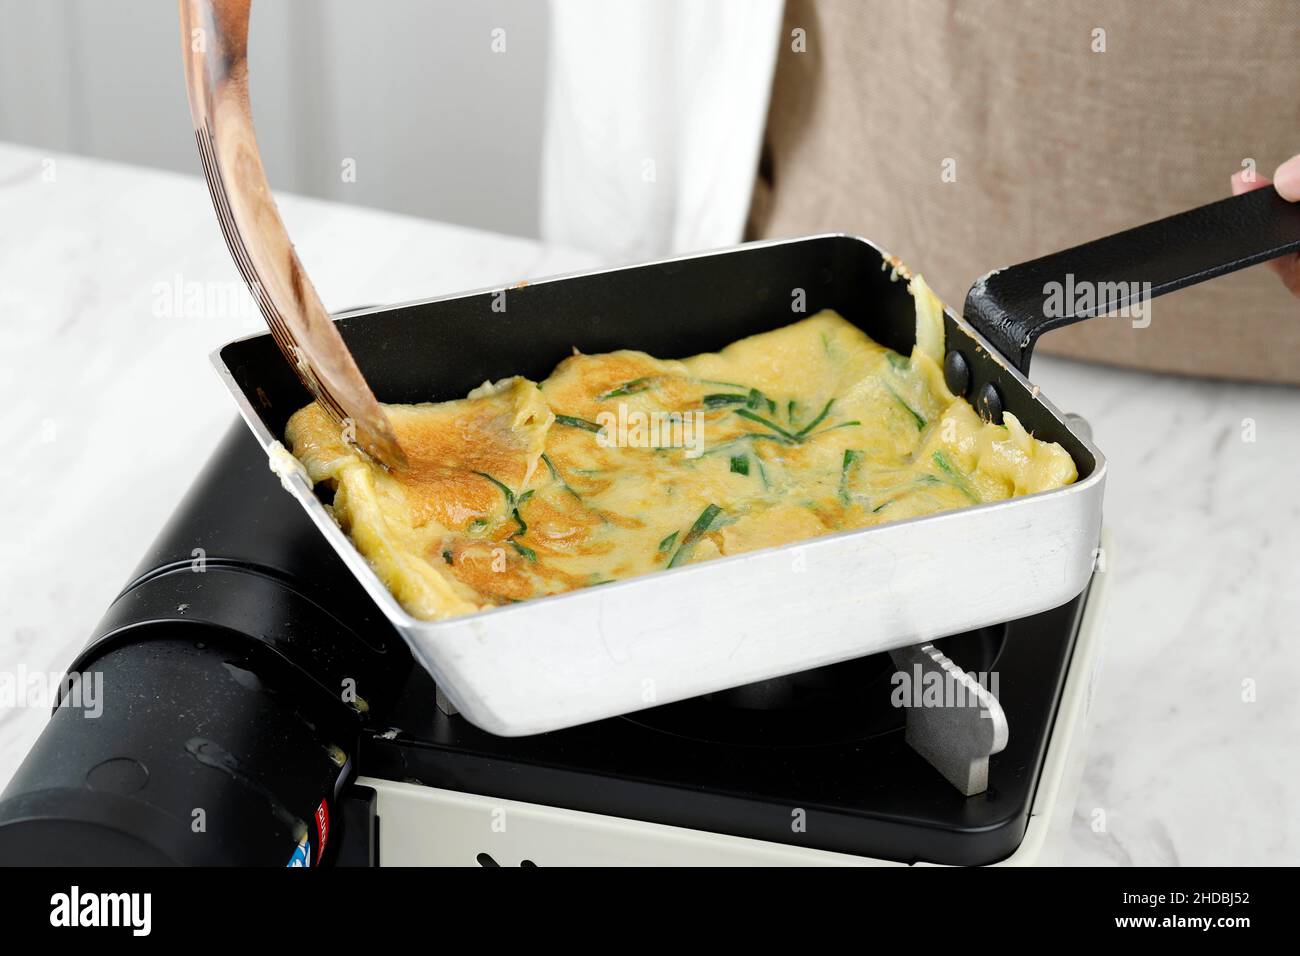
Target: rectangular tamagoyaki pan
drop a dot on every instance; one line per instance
(576, 657)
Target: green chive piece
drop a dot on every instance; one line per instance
(740, 464)
(757, 400)
(556, 476)
(447, 555)
(940, 459)
(851, 457)
(667, 543)
(719, 400)
(750, 437)
(916, 416)
(505, 490)
(958, 479)
(627, 388)
(526, 551)
(789, 410)
(746, 413)
(702, 524)
(816, 421)
(577, 423)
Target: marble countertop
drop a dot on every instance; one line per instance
(111, 407)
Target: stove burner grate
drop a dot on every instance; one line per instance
(836, 704)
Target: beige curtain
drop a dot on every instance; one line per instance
(964, 136)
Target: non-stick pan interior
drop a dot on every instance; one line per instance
(439, 350)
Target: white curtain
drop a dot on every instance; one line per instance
(654, 119)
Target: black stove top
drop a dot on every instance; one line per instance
(232, 677)
(828, 743)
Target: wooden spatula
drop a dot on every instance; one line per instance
(214, 36)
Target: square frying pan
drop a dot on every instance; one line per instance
(585, 655)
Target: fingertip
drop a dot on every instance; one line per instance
(1287, 179)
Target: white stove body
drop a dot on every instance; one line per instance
(426, 826)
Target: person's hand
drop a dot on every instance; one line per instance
(1286, 180)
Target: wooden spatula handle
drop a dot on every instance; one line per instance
(214, 37)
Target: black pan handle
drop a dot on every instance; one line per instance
(1014, 306)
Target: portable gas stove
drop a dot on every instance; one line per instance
(245, 670)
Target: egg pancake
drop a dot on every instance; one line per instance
(622, 464)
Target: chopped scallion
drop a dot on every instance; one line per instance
(757, 400)
(627, 388)
(916, 416)
(747, 414)
(573, 422)
(958, 480)
(816, 421)
(851, 457)
(701, 526)
(505, 490)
